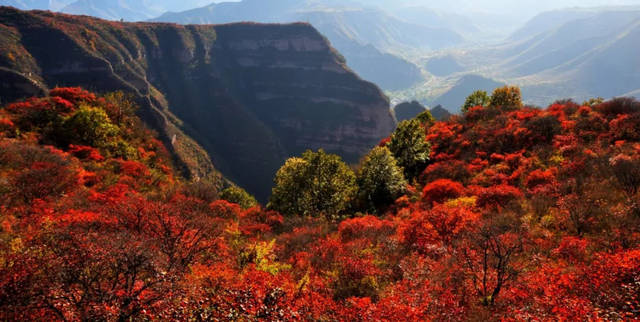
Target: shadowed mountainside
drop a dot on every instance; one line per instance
(249, 95)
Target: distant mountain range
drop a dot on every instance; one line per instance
(365, 36)
(422, 53)
(573, 53)
(36, 4)
(128, 10)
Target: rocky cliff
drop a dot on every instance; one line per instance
(241, 96)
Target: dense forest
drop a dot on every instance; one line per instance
(505, 212)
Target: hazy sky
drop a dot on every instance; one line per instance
(524, 7)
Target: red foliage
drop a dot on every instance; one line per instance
(225, 209)
(85, 152)
(6, 124)
(497, 197)
(572, 248)
(442, 190)
(70, 96)
(133, 169)
(368, 227)
(86, 235)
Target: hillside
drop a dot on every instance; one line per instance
(517, 214)
(214, 84)
(550, 20)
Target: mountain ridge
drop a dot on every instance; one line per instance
(222, 85)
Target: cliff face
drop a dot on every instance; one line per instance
(250, 95)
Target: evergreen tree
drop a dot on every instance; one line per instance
(380, 180)
(410, 147)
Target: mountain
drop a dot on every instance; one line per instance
(440, 114)
(129, 10)
(443, 65)
(250, 95)
(376, 27)
(429, 17)
(550, 20)
(454, 98)
(573, 53)
(366, 25)
(408, 110)
(597, 55)
(368, 38)
(36, 4)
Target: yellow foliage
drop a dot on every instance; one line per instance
(16, 245)
(265, 258)
(556, 159)
(462, 202)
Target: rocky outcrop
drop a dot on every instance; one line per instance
(249, 95)
(408, 110)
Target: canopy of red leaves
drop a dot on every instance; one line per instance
(524, 214)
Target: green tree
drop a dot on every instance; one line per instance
(507, 96)
(426, 118)
(315, 184)
(593, 101)
(477, 98)
(380, 180)
(238, 196)
(410, 147)
(89, 126)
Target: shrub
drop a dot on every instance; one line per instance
(617, 106)
(627, 171)
(238, 196)
(442, 190)
(497, 196)
(88, 126)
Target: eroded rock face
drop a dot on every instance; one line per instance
(250, 95)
